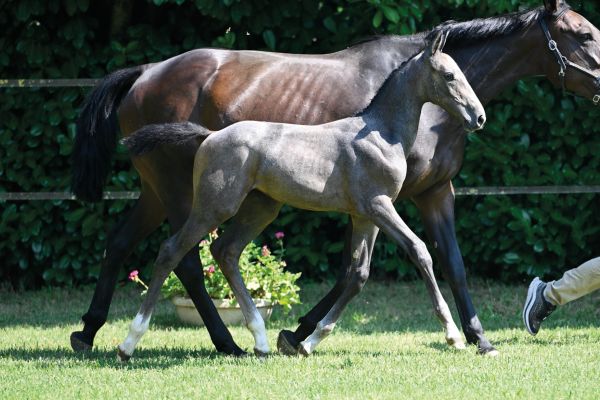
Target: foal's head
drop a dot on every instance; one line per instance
(446, 86)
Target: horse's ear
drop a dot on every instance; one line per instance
(554, 7)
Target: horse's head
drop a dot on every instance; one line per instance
(447, 86)
(573, 37)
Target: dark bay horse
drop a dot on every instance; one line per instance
(216, 88)
(355, 165)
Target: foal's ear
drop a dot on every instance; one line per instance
(437, 44)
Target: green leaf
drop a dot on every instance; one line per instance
(269, 38)
(390, 14)
(377, 19)
(330, 24)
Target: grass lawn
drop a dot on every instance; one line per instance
(387, 345)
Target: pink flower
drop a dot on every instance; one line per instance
(203, 242)
(279, 235)
(210, 269)
(265, 251)
(133, 275)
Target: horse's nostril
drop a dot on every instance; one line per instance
(481, 120)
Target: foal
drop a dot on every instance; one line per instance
(355, 165)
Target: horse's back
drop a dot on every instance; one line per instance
(216, 87)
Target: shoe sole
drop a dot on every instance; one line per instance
(529, 303)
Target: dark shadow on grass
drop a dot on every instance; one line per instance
(142, 359)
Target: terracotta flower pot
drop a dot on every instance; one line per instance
(230, 314)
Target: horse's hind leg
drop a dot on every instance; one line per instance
(364, 234)
(255, 213)
(145, 216)
(386, 217)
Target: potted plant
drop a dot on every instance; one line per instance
(263, 273)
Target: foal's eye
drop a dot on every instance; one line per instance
(449, 76)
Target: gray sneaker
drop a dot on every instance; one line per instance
(537, 308)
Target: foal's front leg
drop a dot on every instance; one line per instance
(364, 234)
(385, 216)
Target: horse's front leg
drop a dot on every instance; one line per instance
(256, 212)
(364, 233)
(437, 212)
(386, 217)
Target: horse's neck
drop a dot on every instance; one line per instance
(396, 108)
(383, 55)
(494, 64)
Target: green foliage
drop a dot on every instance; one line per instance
(262, 271)
(535, 135)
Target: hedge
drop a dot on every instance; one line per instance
(535, 135)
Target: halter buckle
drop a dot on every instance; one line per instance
(552, 45)
(596, 99)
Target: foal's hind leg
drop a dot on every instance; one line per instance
(255, 213)
(386, 217)
(364, 234)
(171, 252)
(288, 342)
(213, 204)
(145, 216)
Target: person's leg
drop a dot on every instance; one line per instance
(575, 283)
(542, 297)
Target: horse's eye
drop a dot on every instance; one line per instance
(587, 37)
(449, 76)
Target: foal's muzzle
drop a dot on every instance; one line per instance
(475, 124)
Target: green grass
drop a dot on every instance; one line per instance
(387, 345)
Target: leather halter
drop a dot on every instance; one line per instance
(563, 62)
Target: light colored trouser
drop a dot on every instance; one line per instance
(574, 283)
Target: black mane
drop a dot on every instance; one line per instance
(461, 33)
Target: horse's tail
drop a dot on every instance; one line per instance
(147, 138)
(96, 137)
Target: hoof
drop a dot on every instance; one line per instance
(304, 350)
(260, 354)
(235, 351)
(285, 343)
(488, 352)
(457, 344)
(121, 356)
(77, 343)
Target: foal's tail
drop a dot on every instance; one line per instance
(96, 137)
(147, 138)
